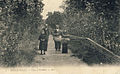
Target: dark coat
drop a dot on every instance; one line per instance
(47, 35)
(43, 42)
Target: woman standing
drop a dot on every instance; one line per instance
(43, 42)
(65, 40)
(57, 38)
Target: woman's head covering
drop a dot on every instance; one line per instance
(43, 32)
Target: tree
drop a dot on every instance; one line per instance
(54, 19)
(93, 19)
(21, 20)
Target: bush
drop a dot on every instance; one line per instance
(12, 58)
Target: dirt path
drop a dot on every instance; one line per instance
(57, 63)
(56, 58)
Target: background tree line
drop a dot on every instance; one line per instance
(96, 19)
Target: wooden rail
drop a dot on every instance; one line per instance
(91, 51)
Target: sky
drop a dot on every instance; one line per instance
(51, 6)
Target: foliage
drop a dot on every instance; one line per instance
(91, 52)
(54, 19)
(20, 21)
(96, 19)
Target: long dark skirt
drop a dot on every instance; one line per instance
(64, 47)
(43, 45)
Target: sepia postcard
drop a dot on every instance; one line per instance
(59, 36)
